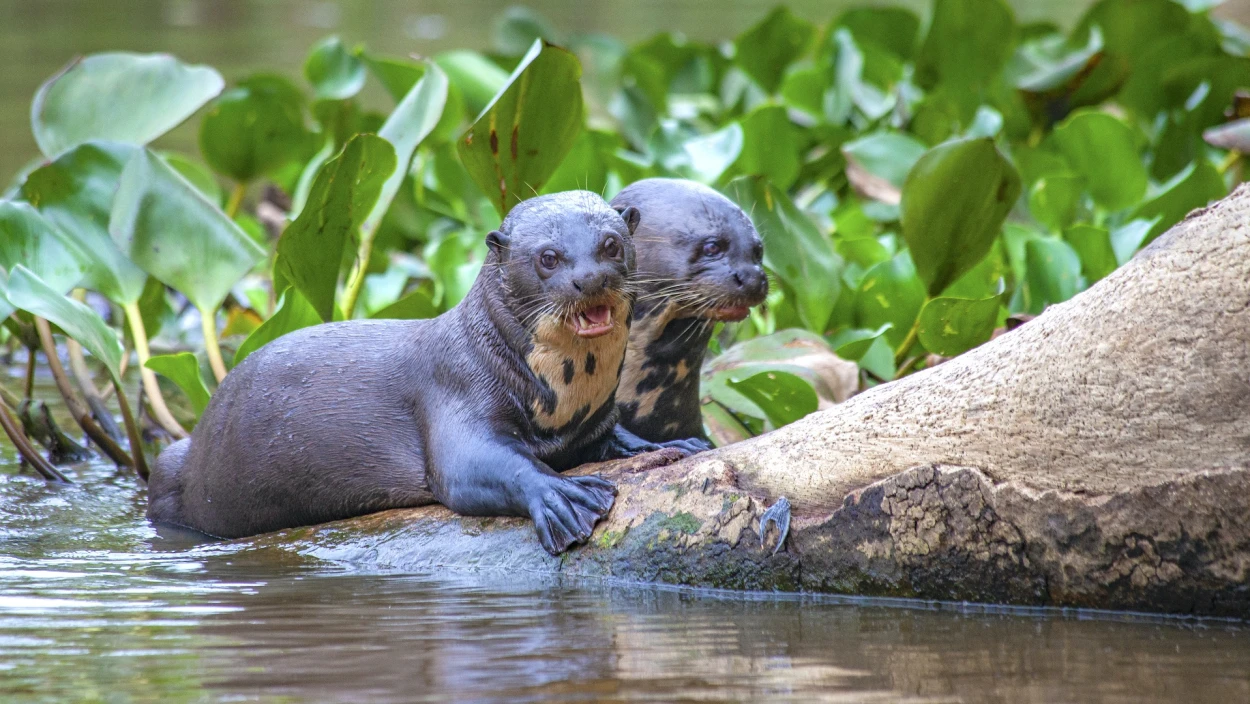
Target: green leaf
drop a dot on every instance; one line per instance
(75, 193)
(172, 232)
(255, 129)
(27, 238)
(183, 369)
(585, 167)
(954, 202)
(1053, 200)
(397, 74)
(31, 294)
(890, 292)
(1093, 245)
(968, 42)
(198, 174)
(1049, 64)
(1195, 187)
(766, 49)
(475, 76)
(770, 146)
(518, 27)
(334, 72)
(891, 28)
(853, 343)
(519, 140)
(118, 97)
(417, 305)
(344, 192)
(709, 155)
(782, 396)
(1128, 238)
(410, 123)
(1054, 271)
(888, 155)
(1102, 150)
(793, 248)
(294, 312)
(952, 326)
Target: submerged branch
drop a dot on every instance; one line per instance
(28, 451)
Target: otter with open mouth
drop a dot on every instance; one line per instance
(699, 263)
(479, 409)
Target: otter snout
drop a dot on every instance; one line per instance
(752, 283)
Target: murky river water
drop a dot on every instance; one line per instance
(96, 606)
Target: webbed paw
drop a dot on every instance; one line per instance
(565, 509)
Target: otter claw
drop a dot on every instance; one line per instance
(779, 515)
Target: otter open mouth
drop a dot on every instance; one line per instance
(729, 314)
(593, 322)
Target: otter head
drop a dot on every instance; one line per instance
(564, 259)
(697, 250)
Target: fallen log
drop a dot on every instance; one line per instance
(1097, 456)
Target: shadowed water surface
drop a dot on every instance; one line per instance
(96, 606)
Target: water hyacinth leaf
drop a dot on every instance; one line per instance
(782, 396)
(410, 123)
(890, 293)
(955, 200)
(1129, 237)
(183, 369)
(770, 146)
(28, 292)
(796, 351)
(396, 74)
(197, 174)
(118, 97)
(344, 192)
(793, 248)
(766, 49)
(27, 238)
(1102, 149)
(968, 42)
(1053, 200)
(294, 312)
(518, 27)
(1054, 272)
(6, 308)
(1093, 246)
(892, 28)
(172, 232)
(887, 155)
(417, 305)
(854, 343)
(255, 128)
(334, 72)
(75, 193)
(1195, 187)
(711, 154)
(1049, 64)
(952, 326)
(477, 78)
(519, 140)
(585, 167)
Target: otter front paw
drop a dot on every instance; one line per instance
(691, 446)
(565, 509)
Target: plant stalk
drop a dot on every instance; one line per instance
(29, 388)
(236, 200)
(156, 402)
(77, 409)
(356, 281)
(908, 342)
(132, 431)
(208, 321)
(28, 451)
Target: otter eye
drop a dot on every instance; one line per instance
(757, 251)
(612, 248)
(712, 248)
(548, 259)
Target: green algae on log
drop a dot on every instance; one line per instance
(1098, 456)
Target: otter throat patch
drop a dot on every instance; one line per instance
(582, 372)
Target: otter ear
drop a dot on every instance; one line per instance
(631, 216)
(498, 243)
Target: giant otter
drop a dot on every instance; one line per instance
(478, 409)
(699, 262)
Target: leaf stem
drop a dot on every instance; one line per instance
(1229, 161)
(29, 388)
(236, 200)
(908, 342)
(357, 278)
(80, 412)
(28, 451)
(132, 432)
(160, 411)
(208, 321)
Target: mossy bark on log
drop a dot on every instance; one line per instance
(1098, 456)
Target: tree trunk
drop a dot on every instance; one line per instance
(1097, 456)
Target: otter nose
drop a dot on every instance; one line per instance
(751, 280)
(591, 283)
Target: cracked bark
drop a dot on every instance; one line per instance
(1098, 456)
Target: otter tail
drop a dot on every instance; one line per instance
(165, 484)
